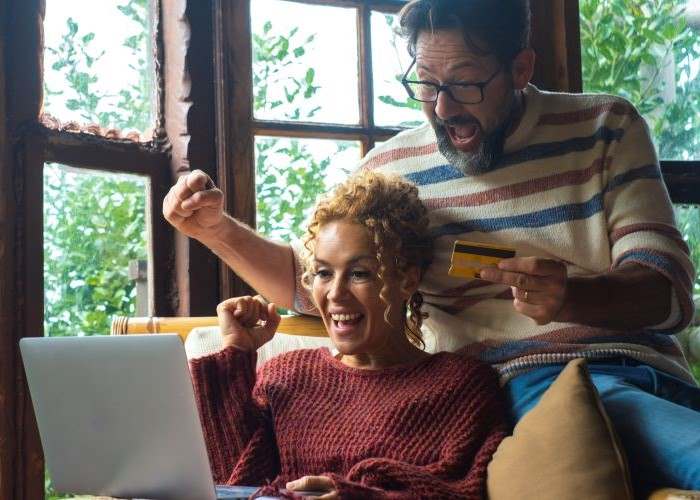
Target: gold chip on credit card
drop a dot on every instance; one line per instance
(468, 258)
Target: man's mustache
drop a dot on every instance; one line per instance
(455, 121)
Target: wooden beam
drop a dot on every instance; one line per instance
(21, 458)
(320, 130)
(203, 265)
(94, 152)
(30, 237)
(8, 286)
(234, 104)
(682, 179)
(555, 39)
(364, 61)
(572, 29)
(189, 122)
(380, 5)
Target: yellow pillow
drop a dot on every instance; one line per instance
(564, 448)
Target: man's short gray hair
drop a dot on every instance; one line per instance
(498, 27)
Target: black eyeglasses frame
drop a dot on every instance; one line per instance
(446, 87)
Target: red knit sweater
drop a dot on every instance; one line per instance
(426, 430)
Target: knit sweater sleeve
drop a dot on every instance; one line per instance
(459, 471)
(640, 216)
(235, 419)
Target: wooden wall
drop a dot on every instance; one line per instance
(21, 459)
(556, 40)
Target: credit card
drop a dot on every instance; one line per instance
(468, 257)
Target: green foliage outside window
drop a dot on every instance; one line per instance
(646, 52)
(94, 225)
(284, 191)
(398, 44)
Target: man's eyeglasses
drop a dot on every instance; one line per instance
(461, 92)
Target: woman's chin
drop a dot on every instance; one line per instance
(351, 345)
(348, 347)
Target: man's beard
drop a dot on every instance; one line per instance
(474, 162)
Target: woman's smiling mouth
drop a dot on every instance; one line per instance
(345, 321)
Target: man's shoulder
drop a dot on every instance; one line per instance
(403, 150)
(562, 108)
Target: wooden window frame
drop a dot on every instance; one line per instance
(236, 130)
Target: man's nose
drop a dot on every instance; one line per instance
(446, 107)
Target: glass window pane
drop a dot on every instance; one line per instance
(304, 62)
(94, 227)
(390, 60)
(290, 174)
(688, 220)
(648, 52)
(98, 63)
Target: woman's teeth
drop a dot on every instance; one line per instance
(346, 320)
(345, 317)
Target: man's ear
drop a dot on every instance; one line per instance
(522, 68)
(411, 281)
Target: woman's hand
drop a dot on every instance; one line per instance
(322, 487)
(247, 322)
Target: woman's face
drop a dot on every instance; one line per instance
(346, 290)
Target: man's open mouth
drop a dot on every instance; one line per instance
(465, 137)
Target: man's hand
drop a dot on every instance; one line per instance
(322, 486)
(539, 285)
(194, 205)
(247, 322)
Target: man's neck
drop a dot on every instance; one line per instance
(517, 113)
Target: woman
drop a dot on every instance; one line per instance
(381, 418)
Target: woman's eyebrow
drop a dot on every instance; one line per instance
(353, 260)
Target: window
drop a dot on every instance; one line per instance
(98, 77)
(335, 68)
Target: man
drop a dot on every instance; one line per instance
(571, 182)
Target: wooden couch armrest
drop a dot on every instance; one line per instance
(310, 326)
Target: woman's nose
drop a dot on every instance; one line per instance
(338, 288)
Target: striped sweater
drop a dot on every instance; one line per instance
(423, 430)
(579, 181)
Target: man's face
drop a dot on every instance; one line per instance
(470, 136)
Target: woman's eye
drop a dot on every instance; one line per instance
(323, 273)
(360, 275)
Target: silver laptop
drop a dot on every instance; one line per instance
(117, 417)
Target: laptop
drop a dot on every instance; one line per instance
(117, 417)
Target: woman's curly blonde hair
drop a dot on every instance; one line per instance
(397, 222)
